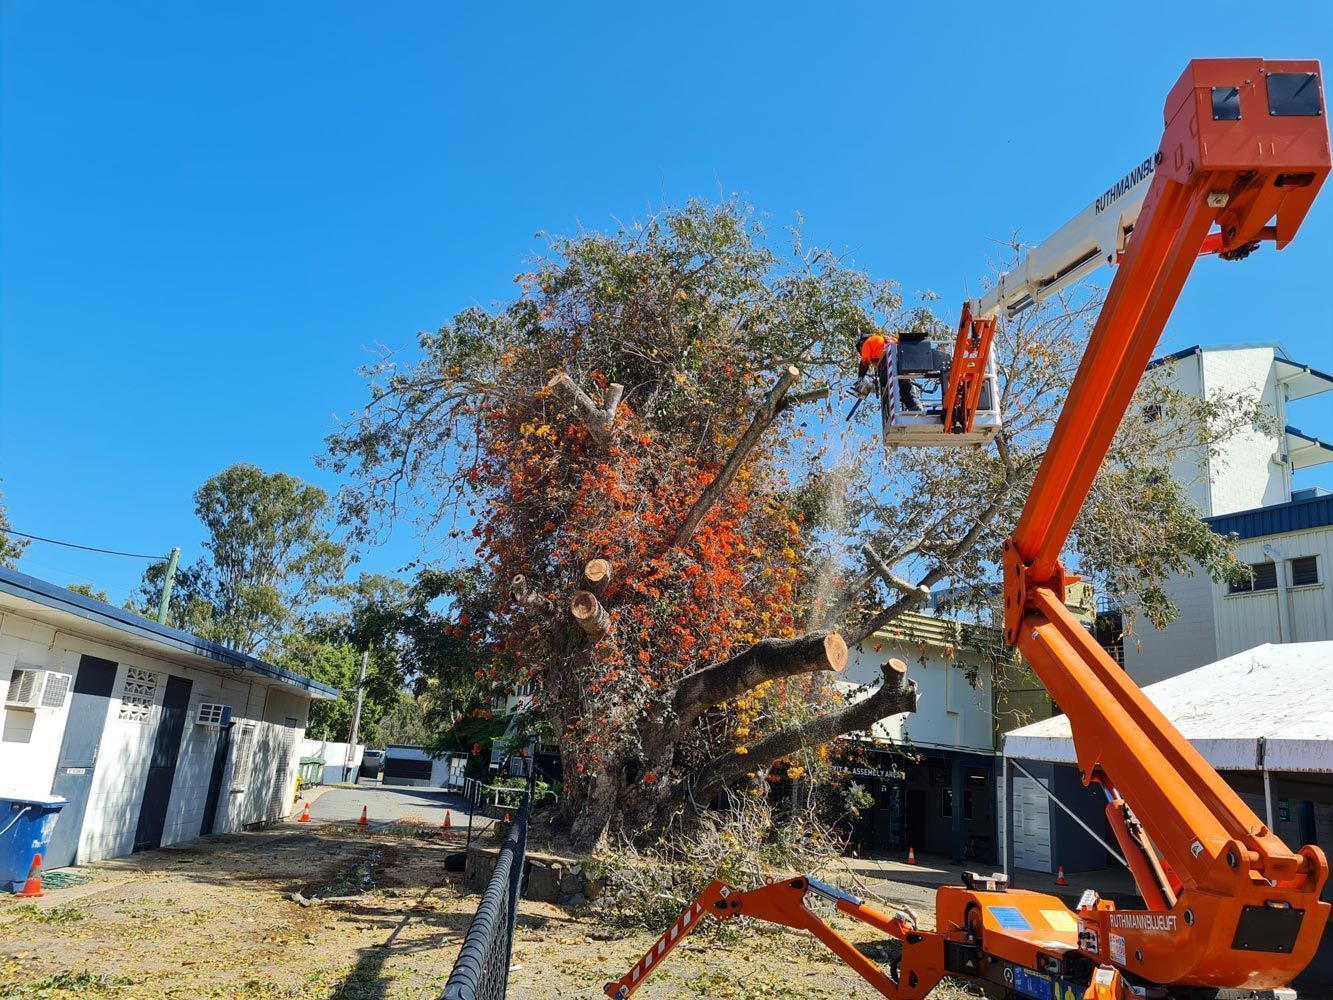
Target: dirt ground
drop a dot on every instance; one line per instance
(215, 919)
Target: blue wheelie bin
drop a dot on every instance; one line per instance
(25, 830)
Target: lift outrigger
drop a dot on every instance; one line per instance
(1230, 912)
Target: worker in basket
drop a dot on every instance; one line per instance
(916, 356)
(873, 351)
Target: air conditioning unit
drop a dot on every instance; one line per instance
(213, 715)
(33, 688)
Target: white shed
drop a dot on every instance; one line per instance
(1263, 718)
(151, 735)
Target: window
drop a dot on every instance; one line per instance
(967, 803)
(1304, 571)
(240, 768)
(946, 802)
(1262, 576)
(136, 697)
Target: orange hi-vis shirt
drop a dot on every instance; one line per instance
(873, 348)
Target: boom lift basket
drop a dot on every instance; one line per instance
(925, 428)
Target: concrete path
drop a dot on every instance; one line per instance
(390, 803)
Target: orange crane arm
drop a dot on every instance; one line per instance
(1246, 148)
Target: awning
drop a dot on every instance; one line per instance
(1304, 451)
(1301, 380)
(1268, 708)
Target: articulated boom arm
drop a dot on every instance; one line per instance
(1245, 148)
(921, 968)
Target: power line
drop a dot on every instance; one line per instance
(85, 548)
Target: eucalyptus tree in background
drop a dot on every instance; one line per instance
(269, 559)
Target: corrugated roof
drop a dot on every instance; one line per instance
(58, 598)
(1296, 515)
(1273, 703)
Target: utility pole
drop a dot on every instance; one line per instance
(356, 716)
(167, 583)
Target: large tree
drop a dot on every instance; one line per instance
(269, 559)
(675, 558)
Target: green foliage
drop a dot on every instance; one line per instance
(87, 590)
(270, 558)
(405, 723)
(11, 546)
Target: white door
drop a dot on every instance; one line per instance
(1032, 825)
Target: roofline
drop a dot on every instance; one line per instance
(58, 598)
(1278, 351)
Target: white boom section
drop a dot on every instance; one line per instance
(1087, 241)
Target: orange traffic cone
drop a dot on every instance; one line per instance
(911, 856)
(33, 886)
(1060, 875)
(448, 823)
(363, 821)
(305, 814)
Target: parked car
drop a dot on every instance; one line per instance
(372, 763)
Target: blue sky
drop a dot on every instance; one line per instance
(210, 214)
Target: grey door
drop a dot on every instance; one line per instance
(162, 767)
(78, 756)
(215, 780)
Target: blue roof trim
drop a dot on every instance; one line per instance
(50, 595)
(1298, 515)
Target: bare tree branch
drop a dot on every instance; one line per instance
(896, 695)
(599, 419)
(763, 419)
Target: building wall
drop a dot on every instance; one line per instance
(29, 741)
(1190, 641)
(30, 744)
(953, 692)
(1246, 620)
(1243, 474)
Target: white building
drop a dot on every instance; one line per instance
(152, 735)
(932, 772)
(1253, 472)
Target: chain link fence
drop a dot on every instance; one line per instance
(482, 969)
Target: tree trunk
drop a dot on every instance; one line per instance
(589, 828)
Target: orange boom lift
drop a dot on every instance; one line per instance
(1229, 911)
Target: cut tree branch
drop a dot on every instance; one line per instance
(590, 614)
(896, 695)
(597, 575)
(598, 419)
(801, 398)
(525, 598)
(762, 420)
(768, 660)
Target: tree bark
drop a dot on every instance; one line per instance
(896, 695)
(597, 576)
(525, 598)
(762, 420)
(600, 420)
(768, 660)
(590, 614)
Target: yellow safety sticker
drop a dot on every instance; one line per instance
(1060, 920)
